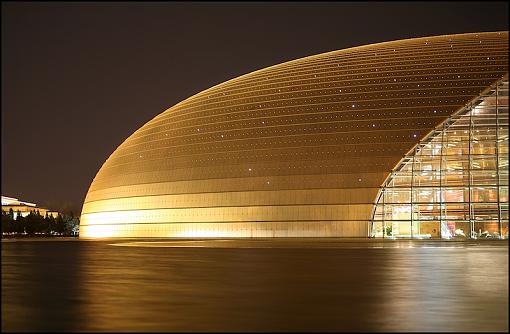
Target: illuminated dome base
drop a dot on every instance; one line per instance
(232, 230)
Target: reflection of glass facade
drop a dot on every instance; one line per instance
(454, 183)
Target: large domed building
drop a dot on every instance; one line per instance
(406, 138)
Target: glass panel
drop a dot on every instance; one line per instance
(397, 212)
(377, 229)
(455, 194)
(504, 229)
(397, 196)
(456, 229)
(428, 230)
(430, 211)
(485, 211)
(401, 229)
(456, 211)
(484, 194)
(488, 230)
(426, 195)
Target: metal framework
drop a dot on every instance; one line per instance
(454, 183)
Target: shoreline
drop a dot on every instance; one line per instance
(264, 242)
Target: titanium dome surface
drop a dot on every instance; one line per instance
(299, 149)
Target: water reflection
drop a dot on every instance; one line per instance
(39, 285)
(264, 285)
(440, 290)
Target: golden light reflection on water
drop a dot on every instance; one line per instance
(232, 285)
(351, 243)
(440, 289)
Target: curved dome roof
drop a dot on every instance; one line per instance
(307, 141)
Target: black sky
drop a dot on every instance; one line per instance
(78, 78)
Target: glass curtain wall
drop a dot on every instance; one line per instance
(454, 184)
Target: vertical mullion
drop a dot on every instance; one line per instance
(383, 194)
(412, 190)
(497, 163)
(441, 181)
(470, 207)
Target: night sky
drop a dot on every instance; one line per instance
(79, 78)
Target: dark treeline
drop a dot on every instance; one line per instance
(36, 224)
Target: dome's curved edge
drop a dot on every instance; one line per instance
(205, 91)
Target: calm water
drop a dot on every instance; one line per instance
(257, 285)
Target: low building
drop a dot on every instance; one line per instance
(24, 208)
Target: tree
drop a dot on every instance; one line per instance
(51, 224)
(389, 229)
(38, 222)
(30, 223)
(7, 222)
(19, 224)
(59, 224)
(72, 226)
